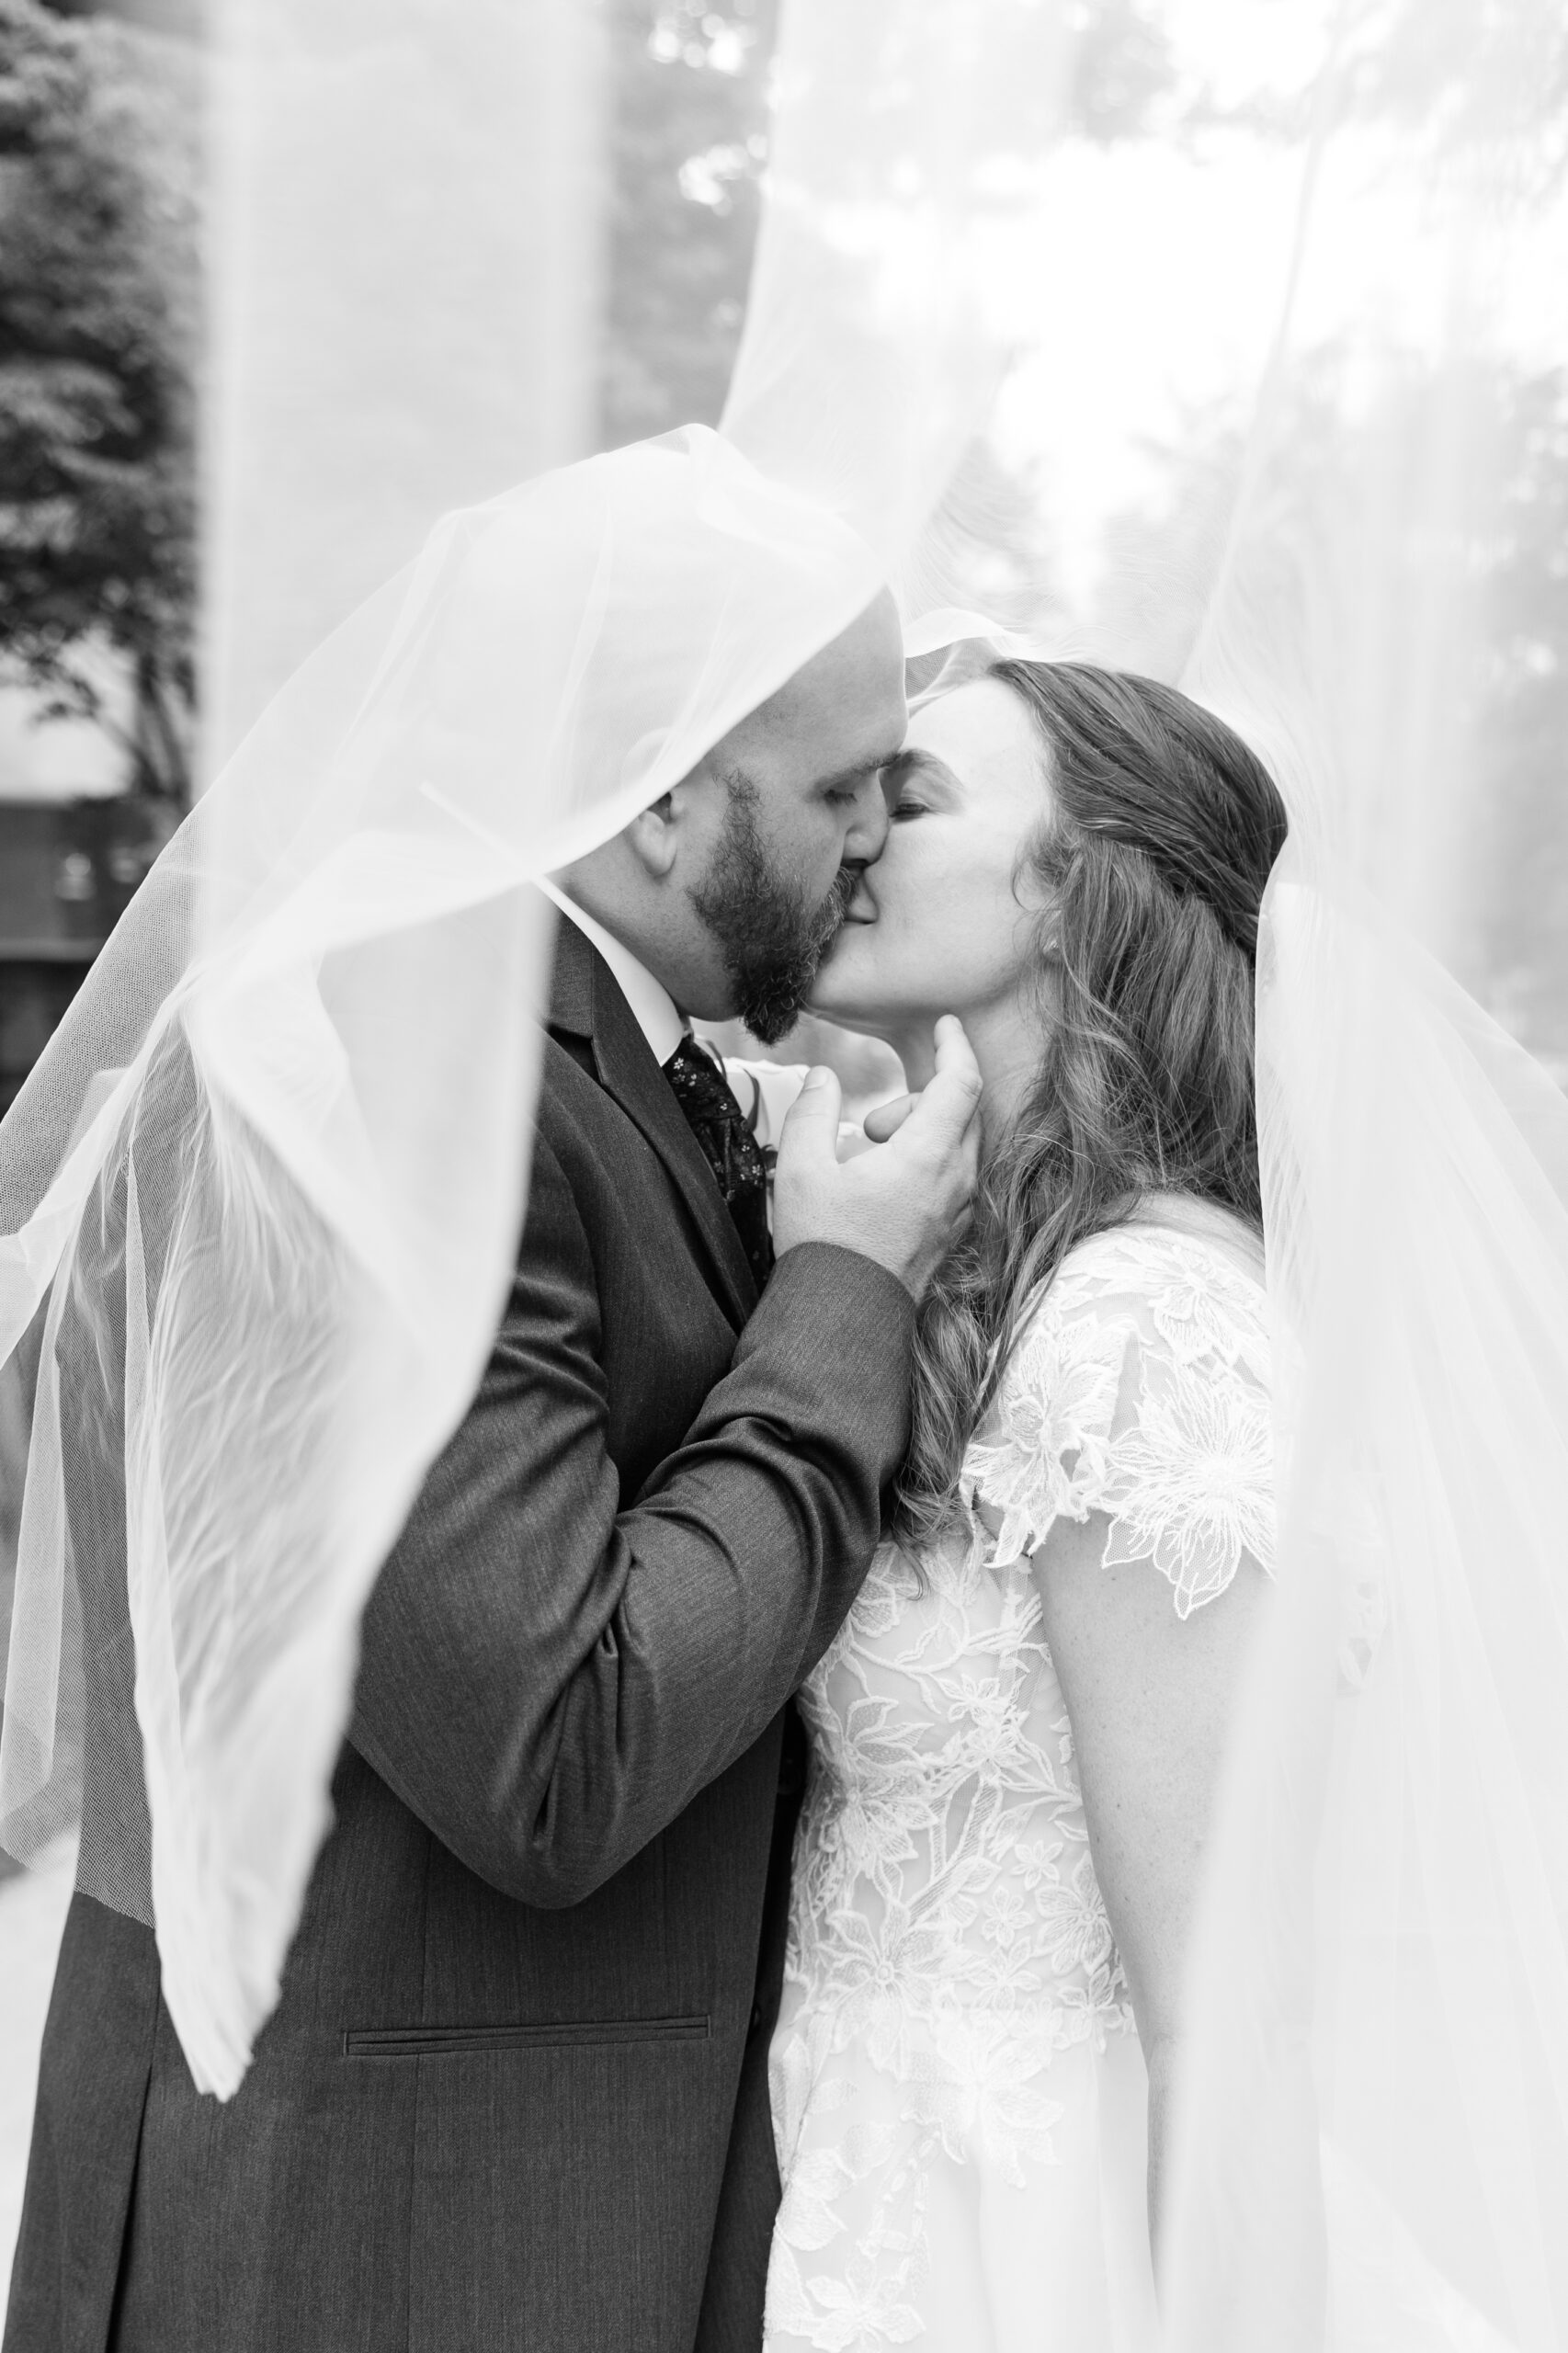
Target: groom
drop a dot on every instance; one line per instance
(514, 2091)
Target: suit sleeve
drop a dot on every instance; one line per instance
(546, 1679)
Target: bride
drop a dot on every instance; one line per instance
(1017, 1736)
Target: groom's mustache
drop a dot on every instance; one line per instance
(834, 909)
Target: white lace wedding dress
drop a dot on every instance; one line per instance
(959, 2094)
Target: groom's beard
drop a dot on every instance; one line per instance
(772, 939)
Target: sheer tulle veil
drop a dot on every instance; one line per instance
(1204, 355)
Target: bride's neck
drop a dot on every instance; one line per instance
(1008, 1046)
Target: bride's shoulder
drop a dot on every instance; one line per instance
(1187, 1276)
(1175, 1283)
(1138, 1386)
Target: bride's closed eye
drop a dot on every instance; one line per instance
(910, 777)
(922, 795)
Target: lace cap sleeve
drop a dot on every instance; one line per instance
(1139, 1388)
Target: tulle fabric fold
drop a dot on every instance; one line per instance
(265, 1185)
(1392, 1866)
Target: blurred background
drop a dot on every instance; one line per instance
(617, 315)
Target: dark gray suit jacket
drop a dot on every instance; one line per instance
(515, 2093)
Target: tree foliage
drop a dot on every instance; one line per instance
(98, 280)
(1482, 80)
(1523, 733)
(689, 97)
(1498, 545)
(689, 101)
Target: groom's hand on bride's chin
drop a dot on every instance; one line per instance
(902, 1203)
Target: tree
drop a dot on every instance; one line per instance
(1482, 82)
(98, 321)
(1523, 725)
(689, 130)
(689, 98)
(1476, 93)
(1499, 546)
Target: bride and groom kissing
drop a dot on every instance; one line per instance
(766, 1839)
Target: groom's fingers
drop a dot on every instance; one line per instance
(900, 1203)
(888, 1118)
(944, 1113)
(811, 1125)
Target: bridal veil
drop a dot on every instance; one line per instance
(1250, 296)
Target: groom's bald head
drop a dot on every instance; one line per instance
(729, 887)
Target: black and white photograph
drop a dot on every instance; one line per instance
(783, 1176)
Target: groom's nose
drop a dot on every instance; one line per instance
(867, 837)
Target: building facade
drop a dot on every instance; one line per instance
(67, 870)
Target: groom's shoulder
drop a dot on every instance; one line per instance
(572, 1103)
(580, 1133)
(568, 1152)
(595, 1190)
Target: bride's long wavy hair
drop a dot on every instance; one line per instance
(1158, 834)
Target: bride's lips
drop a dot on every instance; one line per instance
(850, 922)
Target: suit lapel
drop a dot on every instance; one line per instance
(588, 1002)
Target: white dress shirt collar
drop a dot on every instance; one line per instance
(652, 1008)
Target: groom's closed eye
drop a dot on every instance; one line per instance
(850, 783)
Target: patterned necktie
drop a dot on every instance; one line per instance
(728, 1146)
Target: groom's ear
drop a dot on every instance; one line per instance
(650, 837)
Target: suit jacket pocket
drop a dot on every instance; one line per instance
(450, 2042)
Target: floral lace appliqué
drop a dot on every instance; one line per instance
(1139, 1389)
